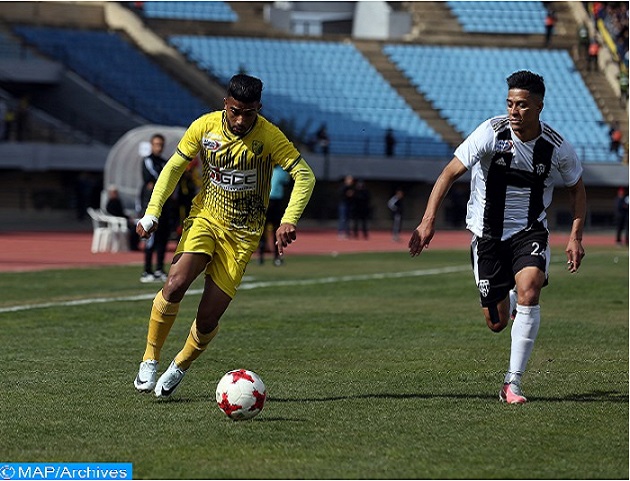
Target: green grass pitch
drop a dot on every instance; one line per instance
(377, 366)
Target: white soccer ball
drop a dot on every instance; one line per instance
(241, 394)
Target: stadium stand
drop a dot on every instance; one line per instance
(9, 49)
(448, 77)
(313, 83)
(122, 72)
(354, 85)
(504, 17)
(215, 11)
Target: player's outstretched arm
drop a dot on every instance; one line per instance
(422, 235)
(575, 251)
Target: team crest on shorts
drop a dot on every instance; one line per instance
(187, 224)
(484, 287)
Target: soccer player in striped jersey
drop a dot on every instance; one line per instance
(239, 149)
(512, 159)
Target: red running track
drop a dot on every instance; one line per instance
(32, 251)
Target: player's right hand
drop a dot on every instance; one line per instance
(420, 238)
(146, 226)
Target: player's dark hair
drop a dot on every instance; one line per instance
(158, 136)
(526, 80)
(245, 88)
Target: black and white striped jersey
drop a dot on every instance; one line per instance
(511, 182)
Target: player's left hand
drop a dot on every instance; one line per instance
(575, 254)
(285, 235)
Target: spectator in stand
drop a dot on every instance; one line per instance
(615, 138)
(550, 23)
(597, 9)
(390, 143)
(593, 55)
(583, 41)
(623, 88)
(622, 216)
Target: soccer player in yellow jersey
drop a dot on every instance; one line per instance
(239, 149)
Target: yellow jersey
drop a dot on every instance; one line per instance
(237, 173)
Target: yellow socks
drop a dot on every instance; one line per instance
(195, 345)
(163, 316)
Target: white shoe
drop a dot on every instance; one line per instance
(159, 276)
(147, 277)
(147, 374)
(169, 381)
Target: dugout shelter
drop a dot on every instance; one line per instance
(123, 167)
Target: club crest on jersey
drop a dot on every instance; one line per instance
(257, 147)
(233, 180)
(504, 146)
(540, 169)
(484, 287)
(210, 144)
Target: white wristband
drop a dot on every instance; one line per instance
(147, 222)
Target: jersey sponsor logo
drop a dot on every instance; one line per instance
(504, 146)
(210, 144)
(484, 287)
(233, 180)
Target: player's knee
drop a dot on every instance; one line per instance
(175, 287)
(528, 296)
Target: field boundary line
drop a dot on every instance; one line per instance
(248, 286)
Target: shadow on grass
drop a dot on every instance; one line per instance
(587, 397)
(593, 396)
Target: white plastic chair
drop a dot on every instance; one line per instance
(102, 232)
(119, 233)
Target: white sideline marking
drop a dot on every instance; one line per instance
(248, 286)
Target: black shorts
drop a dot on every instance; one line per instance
(496, 262)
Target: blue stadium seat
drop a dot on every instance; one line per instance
(122, 72)
(309, 83)
(214, 11)
(465, 85)
(10, 49)
(501, 17)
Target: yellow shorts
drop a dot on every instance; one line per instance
(229, 254)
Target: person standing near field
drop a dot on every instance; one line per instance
(239, 149)
(511, 159)
(157, 242)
